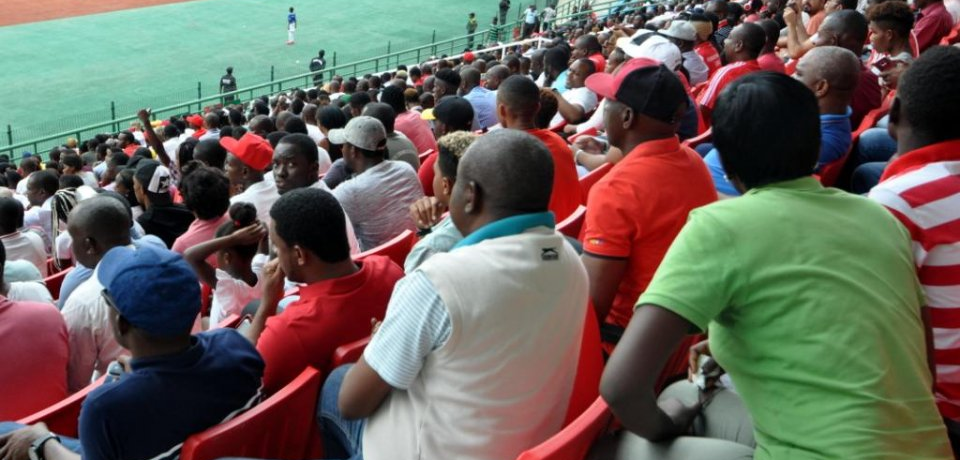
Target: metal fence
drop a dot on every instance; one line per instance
(118, 116)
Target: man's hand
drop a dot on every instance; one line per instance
(273, 280)
(144, 115)
(790, 14)
(16, 445)
(891, 76)
(589, 144)
(681, 416)
(251, 234)
(693, 360)
(427, 212)
(374, 326)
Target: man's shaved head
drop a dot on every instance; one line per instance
(470, 77)
(522, 187)
(211, 120)
(261, 125)
(838, 66)
(848, 28)
(97, 225)
(496, 75)
(520, 95)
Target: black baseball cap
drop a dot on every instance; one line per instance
(645, 85)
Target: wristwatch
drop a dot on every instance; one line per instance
(36, 447)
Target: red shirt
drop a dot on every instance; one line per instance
(723, 77)
(933, 23)
(637, 210)
(599, 62)
(130, 149)
(417, 130)
(710, 56)
(922, 188)
(866, 97)
(199, 231)
(813, 25)
(33, 350)
(329, 313)
(566, 196)
(425, 173)
(771, 62)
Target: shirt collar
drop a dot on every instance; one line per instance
(655, 147)
(806, 183)
(334, 286)
(834, 116)
(175, 360)
(509, 226)
(942, 151)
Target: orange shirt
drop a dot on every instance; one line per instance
(724, 77)
(710, 56)
(566, 195)
(637, 210)
(813, 25)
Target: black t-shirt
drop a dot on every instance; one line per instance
(317, 64)
(504, 4)
(166, 222)
(228, 83)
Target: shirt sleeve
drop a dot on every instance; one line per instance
(417, 322)
(609, 228)
(82, 346)
(94, 431)
(697, 277)
(708, 98)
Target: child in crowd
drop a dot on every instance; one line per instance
(237, 280)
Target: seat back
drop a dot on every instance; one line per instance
(950, 39)
(587, 182)
(693, 142)
(829, 173)
(62, 417)
(349, 353)
(424, 155)
(230, 322)
(574, 441)
(54, 282)
(586, 384)
(282, 427)
(572, 225)
(396, 249)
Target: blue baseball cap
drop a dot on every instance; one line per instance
(153, 288)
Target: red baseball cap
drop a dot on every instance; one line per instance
(253, 150)
(645, 85)
(468, 57)
(195, 120)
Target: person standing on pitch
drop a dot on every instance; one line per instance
(471, 29)
(291, 27)
(316, 65)
(227, 84)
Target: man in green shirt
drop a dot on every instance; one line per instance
(471, 28)
(810, 299)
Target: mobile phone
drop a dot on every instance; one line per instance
(883, 64)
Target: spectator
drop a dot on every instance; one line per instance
(682, 34)
(33, 346)
(330, 118)
(933, 23)
(588, 47)
(555, 65)
(295, 166)
(358, 101)
(483, 100)
(215, 375)
(518, 102)
(496, 75)
(831, 73)
(769, 60)
(339, 296)
(446, 83)
(206, 193)
(408, 122)
(627, 233)
(28, 166)
(452, 115)
(41, 186)
(247, 159)
(577, 102)
(889, 26)
(235, 277)
(732, 277)
(722, 27)
(920, 189)
(20, 244)
(73, 165)
(440, 351)
(741, 50)
(161, 216)
(848, 29)
(377, 198)
(96, 226)
(399, 148)
(439, 234)
(22, 282)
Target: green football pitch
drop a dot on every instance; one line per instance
(63, 74)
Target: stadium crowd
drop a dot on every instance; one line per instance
(757, 202)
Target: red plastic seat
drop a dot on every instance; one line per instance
(282, 427)
(231, 322)
(62, 417)
(396, 249)
(574, 441)
(693, 142)
(572, 225)
(829, 173)
(54, 282)
(349, 353)
(952, 38)
(424, 155)
(587, 182)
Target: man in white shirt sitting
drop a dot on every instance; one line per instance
(20, 245)
(41, 186)
(247, 159)
(378, 196)
(577, 102)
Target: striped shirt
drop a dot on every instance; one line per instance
(922, 189)
(724, 77)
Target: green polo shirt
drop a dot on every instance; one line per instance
(812, 304)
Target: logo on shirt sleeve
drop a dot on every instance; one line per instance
(548, 254)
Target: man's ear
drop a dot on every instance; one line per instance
(894, 118)
(301, 255)
(472, 198)
(822, 88)
(123, 326)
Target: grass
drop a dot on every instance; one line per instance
(63, 74)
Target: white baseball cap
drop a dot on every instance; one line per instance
(649, 44)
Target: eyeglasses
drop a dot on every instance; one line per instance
(109, 299)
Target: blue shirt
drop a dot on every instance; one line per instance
(835, 140)
(484, 104)
(560, 84)
(79, 274)
(292, 18)
(151, 411)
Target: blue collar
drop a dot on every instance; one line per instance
(834, 116)
(513, 225)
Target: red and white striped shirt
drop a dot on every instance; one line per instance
(922, 189)
(724, 77)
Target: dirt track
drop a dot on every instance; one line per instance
(24, 11)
